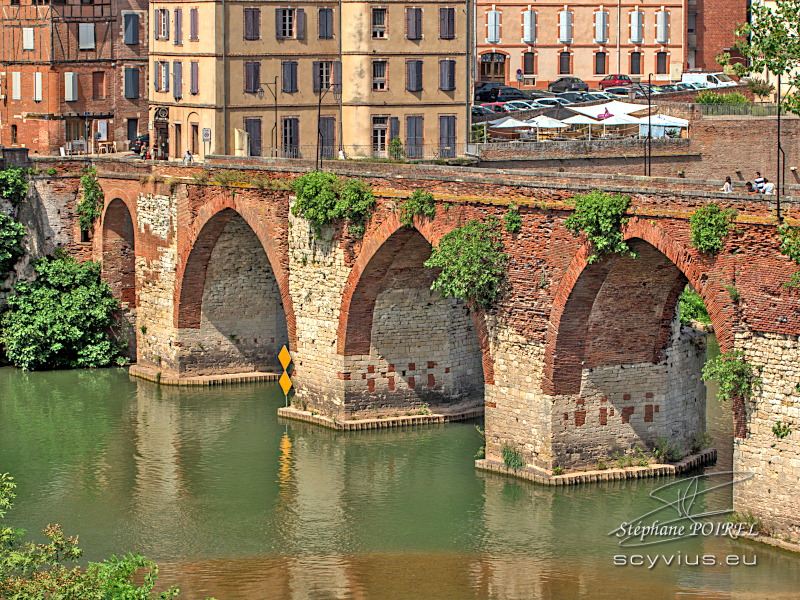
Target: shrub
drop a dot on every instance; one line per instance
(733, 374)
(733, 293)
(420, 204)
(92, 202)
(201, 177)
(61, 319)
(355, 204)
(512, 458)
(709, 97)
(322, 198)
(13, 184)
(790, 242)
(701, 441)
(473, 264)
(781, 430)
(51, 171)
(709, 225)
(599, 216)
(692, 307)
(396, 151)
(228, 177)
(11, 234)
(512, 220)
(666, 452)
(759, 87)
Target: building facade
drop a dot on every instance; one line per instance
(531, 45)
(73, 75)
(308, 79)
(710, 26)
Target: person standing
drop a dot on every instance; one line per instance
(187, 158)
(769, 187)
(727, 188)
(759, 182)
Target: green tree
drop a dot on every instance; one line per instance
(13, 184)
(709, 225)
(61, 319)
(473, 264)
(600, 216)
(770, 43)
(11, 234)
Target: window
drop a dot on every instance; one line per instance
(564, 63)
(565, 27)
(492, 26)
(414, 23)
(600, 63)
(133, 129)
(131, 29)
(447, 136)
(289, 76)
(177, 80)
(637, 26)
(529, 26)
(447, 23)
(661, 63)
(601, 27)
(37, 87)
(252, 77)
(414, 148)
(16, 85)
(195, 139)
(379, 135)
(691, 22)
(290, 23)
(86, 36)
(27, 38)
(70, 86)
(178, 27)
(636, 63)
(379, 74)
(493, 67)
(290, 137)
(163, 68)
(194, 77)
(529, 63)
(322, 71)
(161, 24)
(194, 25)
(414, 75)
(75, 130)
(98, 85)
(252, 23)
(253, 128)
(662, 27)
(378, 23)
(131, 83)
(325, 23)
(14, 139)
(447, 75)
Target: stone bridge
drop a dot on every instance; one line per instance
(576, 362)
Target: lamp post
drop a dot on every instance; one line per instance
(648, 160)
(337, 94)
(273, 89)
(778, 170)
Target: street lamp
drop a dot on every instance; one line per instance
(648, 151)
(273, 89)
(337, 95)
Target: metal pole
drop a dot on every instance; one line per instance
(778, 164)
(318, 161)
(649, 124)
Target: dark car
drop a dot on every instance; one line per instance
(576, 96)
(568, 84)
(141, 140)
(481, 111)
(616, 80)
(500, 93)
(536, 94)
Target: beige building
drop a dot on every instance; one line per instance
(307, 79)
(530, 45)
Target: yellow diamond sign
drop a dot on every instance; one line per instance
(286, 383)
(284, 357)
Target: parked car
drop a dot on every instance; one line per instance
(566, 84)
(520, 105)
(576, 96)
(616, 80)
(684, 87)
(602, 95)
(495, 107)
(625, 92)
(501, 93)
(556, 102)
(536, 94)
(481, 111)
(138, 142)
(670, 87)
(711, 79)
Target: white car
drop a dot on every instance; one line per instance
(520, 105)
(711, 80)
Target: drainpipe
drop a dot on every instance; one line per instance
(225, 79)
(619, 32)
(468, 5)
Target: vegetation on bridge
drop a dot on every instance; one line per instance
(61, 319)
(473, 263)
(11, 234)
(13, 184)
(790, 247)
(709, 226)
(709, 97)
(420, 204)
(323, 197)
(733, 374)
(91, 204)
(43, 570)
(692, 307)
(599, 215)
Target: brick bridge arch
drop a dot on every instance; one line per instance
(585, 319)
(378, 252)
(118, 248)
(193, 258)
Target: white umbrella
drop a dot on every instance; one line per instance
(544, 122)
(664, 120)
(582, 120)
(620, 120)
(511, 123)
(499, 121)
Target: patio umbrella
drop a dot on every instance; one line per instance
(619, 120)
(542, 122)
(660, 123)
(615, 107)
(582, 120)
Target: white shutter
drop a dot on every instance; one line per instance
(37, 87)
(662, 27)
(565, 26)
(493, 27)
(529, 27)
(637, 22)
(27, 38)
(601, 27)
(16, 85)
(70, 87)
(86, 36)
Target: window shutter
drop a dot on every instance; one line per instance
(165, 23)
(443, 133)
(131, 83)
(278, 28)
(326, 23)
(410, 85)
(156, 77)
(194, 25)
(177, 80)
(286, 77)
(86, 36)
(300, 26)
(294, 127)
(493, 32)
(131, 28)
(418, 68)
(565, 27)
(165, 75)
(156, 24)
(414, 23)
(662, 27)
(315, 75)
(447, 75)
(37, 87)
(337, 75)
(601, 27)
(447, 30)
(443, 23)
(248, 24)
(636, 27)
(70, 86)
(178, 26)
(27, 38)
(529, 27)
(414, 137)
(394, 128)
(194, 77)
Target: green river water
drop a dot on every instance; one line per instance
(235, 503)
